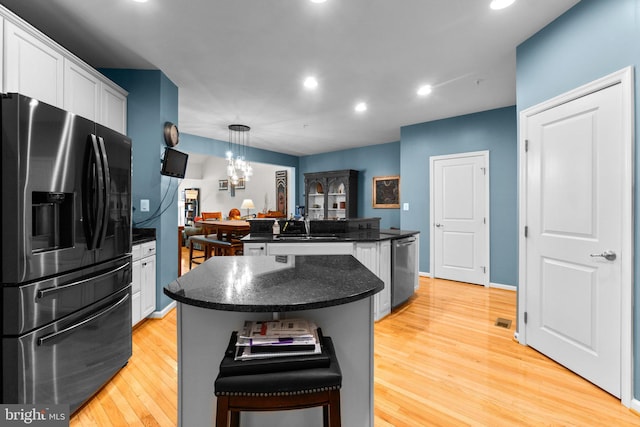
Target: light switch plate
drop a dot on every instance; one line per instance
(405, 206)
(144, 205)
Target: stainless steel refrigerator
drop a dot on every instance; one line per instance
(65, 253)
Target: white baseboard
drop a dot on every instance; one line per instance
(160, 314)
(424, 274)
(501, 286)
(635, 405)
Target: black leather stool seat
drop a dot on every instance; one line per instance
(274, 391)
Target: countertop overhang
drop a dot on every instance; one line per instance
(354, 236)
(275, 283)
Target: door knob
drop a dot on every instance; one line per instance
(439, 225)
(608, 255)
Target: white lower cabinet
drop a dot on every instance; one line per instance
(143, 286)
(376, 256)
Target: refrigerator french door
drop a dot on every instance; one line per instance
(65, 252)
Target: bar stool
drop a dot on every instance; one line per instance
(282, 390)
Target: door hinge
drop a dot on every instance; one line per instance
(526, 145)
(526, 231)
(525, 317)
(484, 269)
(484, 220)
(484, 171)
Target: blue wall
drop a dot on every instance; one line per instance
(593, 39)
(152, 100)
(374, 160)
(493, 130)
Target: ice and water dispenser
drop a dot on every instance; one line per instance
(51, 221)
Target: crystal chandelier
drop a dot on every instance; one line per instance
(238, 166)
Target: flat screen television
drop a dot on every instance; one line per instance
(174, 163)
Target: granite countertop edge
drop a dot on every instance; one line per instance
(356, 236)
(255, 308)
(275, 283)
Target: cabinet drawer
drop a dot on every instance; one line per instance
(148, 249)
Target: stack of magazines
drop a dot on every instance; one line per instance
(273, 346)
(277, 338)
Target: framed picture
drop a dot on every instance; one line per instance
(386, 191)
(240, 184)
(223, 184)
(281, 191)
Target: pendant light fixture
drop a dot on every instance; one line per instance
(237, 165)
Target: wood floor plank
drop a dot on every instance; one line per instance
(440, 360)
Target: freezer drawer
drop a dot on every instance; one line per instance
(33, 305)
(68, 361)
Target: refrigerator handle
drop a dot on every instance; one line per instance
(92, 193)
(58, 334)
(106, 190)
(42, 293)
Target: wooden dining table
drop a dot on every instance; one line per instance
(223, 228)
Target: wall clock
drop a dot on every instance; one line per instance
(171, 134)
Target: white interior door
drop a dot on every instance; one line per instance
(575, 186)
(459, 212)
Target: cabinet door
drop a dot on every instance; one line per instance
(148, 285)
(315, 190)
(113, 113)
(2, 58)
(32, 67)
(81, 91)
(337, 197)
(136, 280)
(384, 272)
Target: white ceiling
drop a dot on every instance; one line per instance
(244, 61)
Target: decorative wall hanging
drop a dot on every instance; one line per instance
(386, 191)
(281, 191)
(223, 184)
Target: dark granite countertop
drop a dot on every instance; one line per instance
(354, 236)
(142, 235)
(275, 283)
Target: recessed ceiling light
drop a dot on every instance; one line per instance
(310, 82)
(361, 107)
(424, 90)
(140, 1)
(318, 1)
(500, 4)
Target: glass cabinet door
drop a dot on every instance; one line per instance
(316, 198)
(337, 198)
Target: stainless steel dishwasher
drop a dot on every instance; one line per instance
(403, 275)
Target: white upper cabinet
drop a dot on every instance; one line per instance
(114, 109)
(81, 91)
(32, 67)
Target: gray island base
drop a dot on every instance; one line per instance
(214, 299)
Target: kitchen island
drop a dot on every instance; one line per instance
(214, 299)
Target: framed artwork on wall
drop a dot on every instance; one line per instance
(223, 184)
(281, 191)
(386, 191)
(240, 185)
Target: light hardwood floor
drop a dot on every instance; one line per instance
(439, 361)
